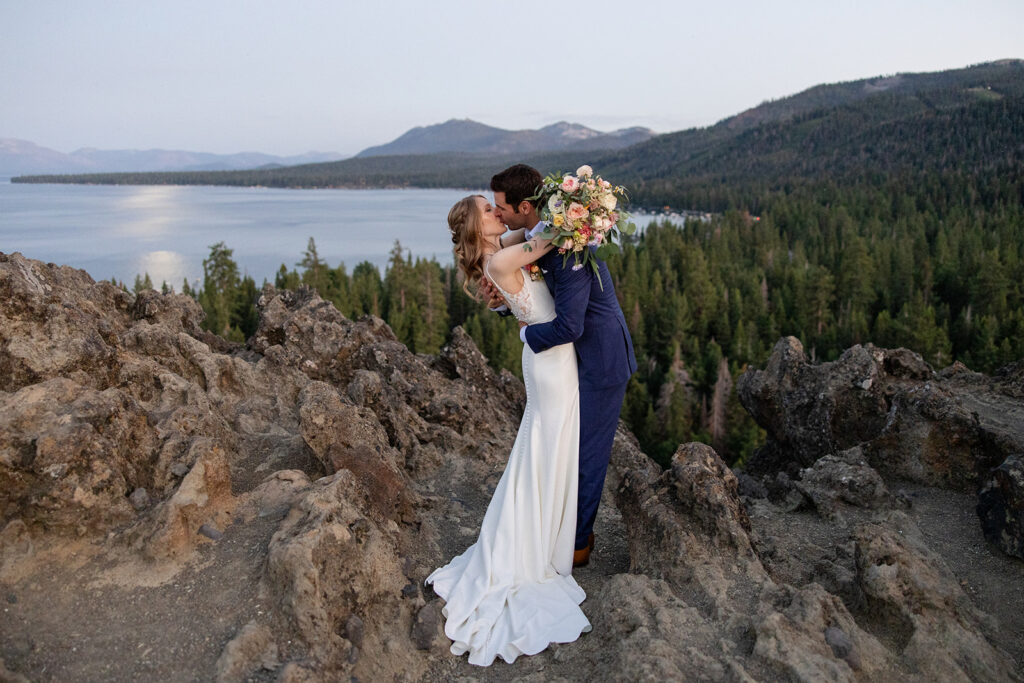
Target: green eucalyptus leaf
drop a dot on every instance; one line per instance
(597, 272)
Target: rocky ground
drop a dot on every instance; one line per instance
(176, 507)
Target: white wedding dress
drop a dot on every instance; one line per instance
(512, 593)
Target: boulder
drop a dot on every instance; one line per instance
(844, 478)
(1001, 506)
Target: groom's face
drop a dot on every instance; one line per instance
(506, 215)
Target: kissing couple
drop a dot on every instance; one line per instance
(512, 592)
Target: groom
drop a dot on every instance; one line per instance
(587, 314)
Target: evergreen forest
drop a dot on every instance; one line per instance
(933, 263)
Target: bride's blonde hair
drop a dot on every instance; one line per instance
(464, 223)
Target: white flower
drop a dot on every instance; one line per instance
(608, 201)
(584, 171)
(555, 204)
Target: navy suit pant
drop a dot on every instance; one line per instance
(599, 417)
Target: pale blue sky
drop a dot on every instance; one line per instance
(289, 77)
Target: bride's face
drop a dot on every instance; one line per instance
(490, 224)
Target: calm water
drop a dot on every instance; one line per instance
(115, 231)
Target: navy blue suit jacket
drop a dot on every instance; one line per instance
(590, 317)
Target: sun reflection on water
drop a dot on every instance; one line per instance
(169, 266)
(148, 211)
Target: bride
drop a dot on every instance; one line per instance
(512, 593)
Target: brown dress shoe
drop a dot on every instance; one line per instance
(581, 557)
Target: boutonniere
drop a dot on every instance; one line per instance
(535, 272)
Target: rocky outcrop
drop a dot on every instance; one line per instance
(945, 429)
(123, 421)
(928, 618)
(952, 429)
(702, 580)
(317, 474)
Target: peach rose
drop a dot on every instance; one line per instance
(577, 211)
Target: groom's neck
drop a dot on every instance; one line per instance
(532, 218)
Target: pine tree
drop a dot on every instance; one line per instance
(314, 269)
(220, 287)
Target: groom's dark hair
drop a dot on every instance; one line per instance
(518, 182)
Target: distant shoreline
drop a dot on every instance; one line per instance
(658, 212)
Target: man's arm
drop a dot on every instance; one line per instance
(572, 292)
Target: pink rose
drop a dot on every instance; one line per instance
(570, 184)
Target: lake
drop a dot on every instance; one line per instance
(167, 230)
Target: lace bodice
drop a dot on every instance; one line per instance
(532, 304)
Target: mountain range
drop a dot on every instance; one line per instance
(965, 121)
(24, 157)
(21, 156)
(471, 137)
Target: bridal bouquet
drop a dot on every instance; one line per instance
(581, 211)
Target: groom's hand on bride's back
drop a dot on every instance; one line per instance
(491, 293)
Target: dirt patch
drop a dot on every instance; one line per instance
(92, 616)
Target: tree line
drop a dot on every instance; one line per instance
(933, 263)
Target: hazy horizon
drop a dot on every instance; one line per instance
(237, 77)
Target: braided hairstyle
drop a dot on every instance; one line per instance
(464, 223)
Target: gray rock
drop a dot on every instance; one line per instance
(843, 478)
(252, 649)
(1001, 506)
(355, 630)
(139, 499)
(839, 642)
(211, 532)
(750, 487)
(427, 627)
(365, 388)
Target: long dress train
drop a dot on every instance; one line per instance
(512, 593)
